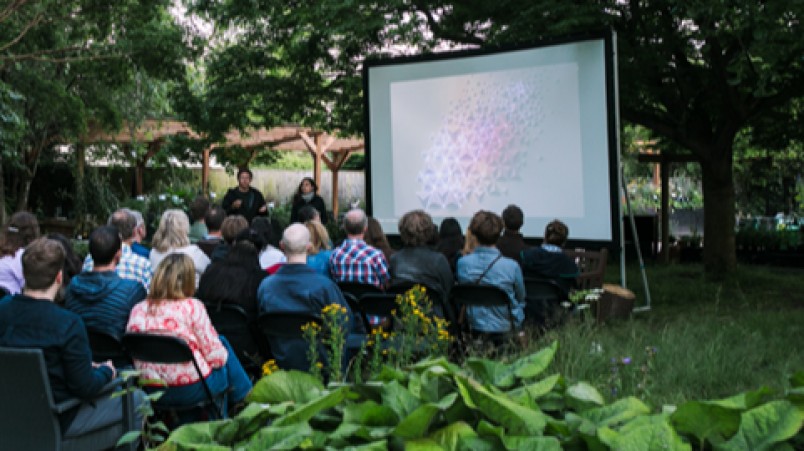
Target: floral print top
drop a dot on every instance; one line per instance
(188, 320)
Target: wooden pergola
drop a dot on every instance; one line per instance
(324, 148)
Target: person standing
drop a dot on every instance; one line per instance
(243, 199)
(307, 194)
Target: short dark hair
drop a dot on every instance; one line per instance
(556, 233)
(124, 221)
(416, 228)
(486, 227)
(450, 227)
(242, 170)
(199, 208)
(41, 262)
(104, 242)
(512, 217)
(312, 183)
(214, 218)
(308, 213)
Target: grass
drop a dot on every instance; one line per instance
(712, 339)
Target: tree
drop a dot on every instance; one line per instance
(68, 59)
(695, 72)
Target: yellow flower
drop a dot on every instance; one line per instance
(319, 365)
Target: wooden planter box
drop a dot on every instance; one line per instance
(615, 303)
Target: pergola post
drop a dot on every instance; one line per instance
(205, 171)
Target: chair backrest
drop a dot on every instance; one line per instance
(231, 321)
(166, 349)
(441, 306)
(285, 324)
(106, 346)
(357, 289)
(27, 416)
(543, 299)
(377, 308)
(592, 266)
(3, 292)
(465, 295)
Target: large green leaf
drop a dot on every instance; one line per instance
(281, 386)
(534, 364)
(417, 424)
(536, 390)
(450, 437)
(618, 412)
(422, 444)
(346, 433)
(764, 426)
(369, 413)
(398, 398)
(438, 365)
(280, 437)
(501, 409)
(644, 433)
(582, 396)
(744, 401)
(706, 421)
(491, 371)
(308, 410)
(199, 436)
(510, 442)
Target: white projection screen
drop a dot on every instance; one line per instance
(459, 132)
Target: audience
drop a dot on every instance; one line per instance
(131, 266)
(170, 309)
(171, 237)
(298, 288)
(38, 323)
(450, 240)
(375, 237)
(354, 260)
(101, 297)
(230, 228)
(198, 211)
(512, 243)
(307, 195)
(416, 262)
(140, 233)
(320, 248)
(548, 261)
(213, 219)
(486, 265)
(21, 229)
(72, 264)
(269, 255)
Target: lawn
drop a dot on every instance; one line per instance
(699, 340)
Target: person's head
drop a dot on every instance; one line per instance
(374, 235)
(20, 230)
(42, 263)
(199, 207)
(309, 213)
(469, 243)
(262, 226)
(125, 222)
(416, 228)
(486, 227)
(173, 231)
(450, 227)
(556, 233)
(244, 177)
(307, 186)
(355, 222)
(244, 253)
(231, 226)
(295, 240)
(140, 230)
(214, 218)
(104, 245)
(319, 237)
(173, 279)
(513, 218)
(250, 236)
(72, 264)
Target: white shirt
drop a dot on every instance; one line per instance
(200, 259)
(271, 256)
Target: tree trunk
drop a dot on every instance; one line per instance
(719, 253)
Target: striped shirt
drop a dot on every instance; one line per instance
(131, 266)
(356, 261)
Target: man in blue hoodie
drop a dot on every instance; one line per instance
(101, 297)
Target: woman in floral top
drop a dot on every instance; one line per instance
(170, 309)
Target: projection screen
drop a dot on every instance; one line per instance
(459, 132)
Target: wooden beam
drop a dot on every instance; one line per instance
(205, 171)
(340, 159)
(662, 158)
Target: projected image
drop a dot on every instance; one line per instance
(480, 141)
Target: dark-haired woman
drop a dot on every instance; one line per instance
(20, 231)
(307, 194)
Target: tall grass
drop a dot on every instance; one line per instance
(712, 339)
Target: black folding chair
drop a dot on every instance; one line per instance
(106, 346)
(231, 321)
(468, 296)
(357, 289)
(543, 302)
(376, 310)
(171, 350)
(280, 327)
(440, 306)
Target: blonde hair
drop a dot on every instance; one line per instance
(470, 243)
(319, 238)
(173, 231)
(174, 279)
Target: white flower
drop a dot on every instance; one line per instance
(162, 197)
(213, 195)
(175, 199)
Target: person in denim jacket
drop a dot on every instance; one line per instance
(486, 265)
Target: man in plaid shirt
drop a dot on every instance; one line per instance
(131, 266)
(355, 261)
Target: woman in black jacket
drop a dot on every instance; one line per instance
(307, 195)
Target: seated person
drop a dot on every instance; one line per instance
(450, 240)
(131, 265)
(101, 297)
(198, 211)
(320, 247)
(298, 288)
(269, 254)
(39, 323)
(230, 228)
(356, 261)
(170, 309)
(375, 237)
(416, 262)
(17, 233)
(486, 265)
(213, 220)
(548, 261)
(511, 243)
(172, 237)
